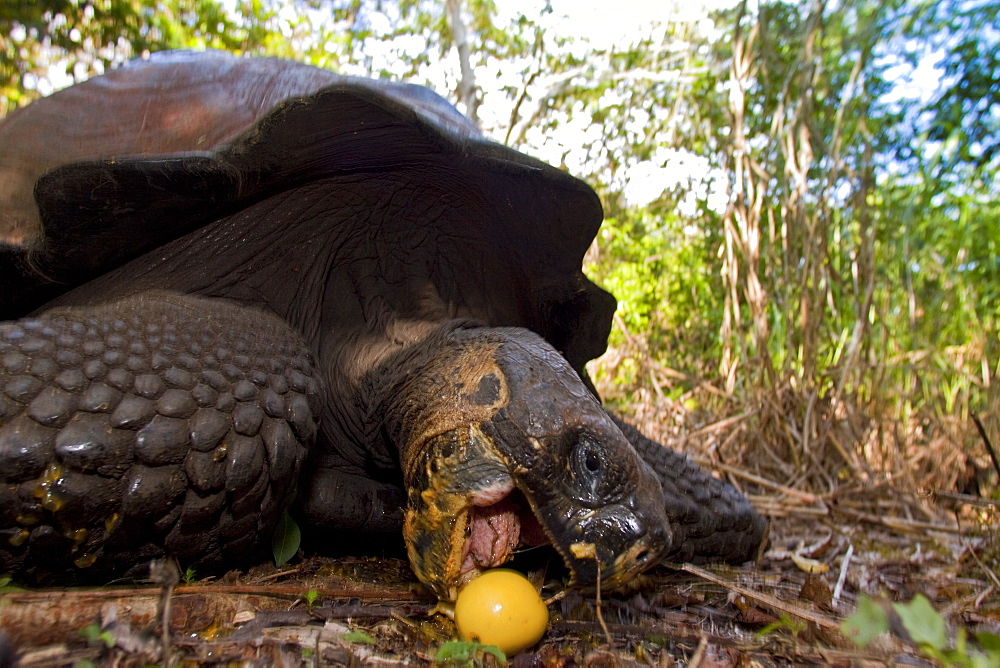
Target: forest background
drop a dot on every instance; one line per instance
(803, 228)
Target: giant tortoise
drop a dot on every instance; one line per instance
(234, 286)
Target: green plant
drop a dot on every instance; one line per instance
(6, 587)
(927, 630)
(787, 622)
(359, 637)
(189, 576)
(95, 635)
(286, 539)
(310, 598)
(462, 653)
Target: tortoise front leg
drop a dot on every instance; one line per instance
(333, 499)
(158, 424)
(711, 521)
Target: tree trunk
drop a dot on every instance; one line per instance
(467, 94)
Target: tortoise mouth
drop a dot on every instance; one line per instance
(502, 523)
(496, 527)
(466, 512)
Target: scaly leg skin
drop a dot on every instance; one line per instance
(158, 424)
(711, 521)
(333, 500)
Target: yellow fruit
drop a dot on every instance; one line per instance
(501, 608)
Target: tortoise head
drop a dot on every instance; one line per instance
(510, 448)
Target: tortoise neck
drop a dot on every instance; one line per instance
(448, 380)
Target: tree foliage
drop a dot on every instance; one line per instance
(49, 43)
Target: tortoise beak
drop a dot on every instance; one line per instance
(609, 545)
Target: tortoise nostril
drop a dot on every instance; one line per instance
(660, 539)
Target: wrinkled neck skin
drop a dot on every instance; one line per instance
(447, 380)
(502, 446)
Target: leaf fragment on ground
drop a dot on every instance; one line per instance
(867, 623)
(286, 540)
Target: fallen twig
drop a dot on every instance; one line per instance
(766, 599)
(721, 424)
(898, 523)
(753, 477)
(280, 574)
(699, 653)
(979, 562)
(165, 573)
(839, 588)
(966, 498)
(778, 508)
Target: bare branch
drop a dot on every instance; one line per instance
(467, 93)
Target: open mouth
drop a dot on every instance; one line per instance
(465, 513)
(498, 523)
(456, 534)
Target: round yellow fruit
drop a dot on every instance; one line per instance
(501, 608)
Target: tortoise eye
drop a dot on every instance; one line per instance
(589, 469)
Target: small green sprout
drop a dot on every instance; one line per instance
(310, 598)
(360, 637)
(95, 635)
(785, 621)
(467, 654)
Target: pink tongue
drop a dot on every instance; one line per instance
(494, 534)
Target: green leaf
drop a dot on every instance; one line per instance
(286, 540)
(787, 622)
(991, 660)
(6, 587)
(924, 624)
(359, 637)
(467, 653)
(495, 651)
(989, 641)
(95, 635)
(454, 650)
(867, 623)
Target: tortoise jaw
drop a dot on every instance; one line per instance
(596, 564)
(605, 547)
(465, 512)
(459, 519)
